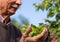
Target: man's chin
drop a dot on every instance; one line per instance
(11, 12)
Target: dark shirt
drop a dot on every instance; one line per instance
(9, 33)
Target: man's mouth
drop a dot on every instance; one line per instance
(14, 6)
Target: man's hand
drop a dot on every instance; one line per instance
(53, 38)
(39, 38)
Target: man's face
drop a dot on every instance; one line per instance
(8, 7)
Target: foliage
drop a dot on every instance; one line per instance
(36, 29)
(53, 8)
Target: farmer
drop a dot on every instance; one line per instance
(11, 33)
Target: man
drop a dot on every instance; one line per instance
(10, 33)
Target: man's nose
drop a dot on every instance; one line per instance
(18, 2)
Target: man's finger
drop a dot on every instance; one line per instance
(45, 33)
(53, 38)
(28, 30)
(25, 34)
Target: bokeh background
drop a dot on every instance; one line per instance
(42, 13)
(28, 11)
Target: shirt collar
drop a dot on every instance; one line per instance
(3, 20)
